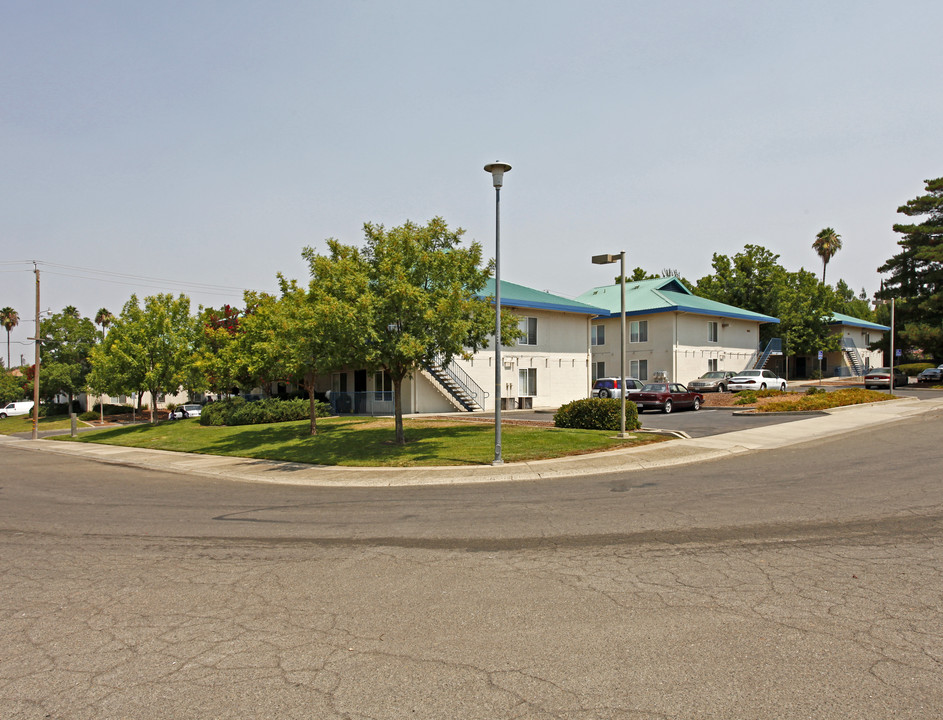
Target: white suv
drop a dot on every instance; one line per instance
(610, 387)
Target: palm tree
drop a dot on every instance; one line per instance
(827, 243)
(10, 319)
(104, 318)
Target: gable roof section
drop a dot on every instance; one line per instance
(840, 319)
(520, 296)
(647, 297)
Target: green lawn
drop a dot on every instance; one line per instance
(24, 423)
(363, 441)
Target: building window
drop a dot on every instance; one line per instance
(712, 365)
(528, 326)
(598, 335)
(382, 387)
(638, 331)
(639, 368)
(599, 370)
(527, 382)
(711, 332)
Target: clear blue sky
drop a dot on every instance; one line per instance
(209, 142)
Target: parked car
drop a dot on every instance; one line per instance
(930, 375)
(185, 411)
(756, 380)
(881, 377)
(714, 381)
(666, 397)
(23, 407)
(611, 387)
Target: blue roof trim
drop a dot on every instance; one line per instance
(754, 317)
(581, 309)
(855, 322)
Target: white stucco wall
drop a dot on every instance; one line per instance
(678, 344)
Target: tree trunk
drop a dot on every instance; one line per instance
(153, 392)
(398, 410)
(312, 403)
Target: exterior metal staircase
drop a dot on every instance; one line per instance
(773, 347)
(854, 357)
(456, 383)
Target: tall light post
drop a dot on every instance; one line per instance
(497, 170)
(606, 260)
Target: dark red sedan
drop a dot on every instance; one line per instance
(666, 397)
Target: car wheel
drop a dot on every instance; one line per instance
(782, 388)
(762, 386)
(604, 393)
(3, 416)
(721, 388)
(697, 404)
(667, 408)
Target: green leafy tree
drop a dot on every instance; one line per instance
(827, 244)
(751, 280)
(67, 341)
(306, 333)
(754, 280)
(150, 347)
(10, 319)
(803, 305)
(421, 299)
(11, 387)
(916, 273)
(221, 361)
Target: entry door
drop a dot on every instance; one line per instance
(360, 390)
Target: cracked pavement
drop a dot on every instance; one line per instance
(799, 583)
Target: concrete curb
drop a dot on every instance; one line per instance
(824, 424)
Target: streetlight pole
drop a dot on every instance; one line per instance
(606, 260)
(497, 170)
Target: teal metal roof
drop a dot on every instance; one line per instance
(840, 319)
(647, 297)
(520, 296)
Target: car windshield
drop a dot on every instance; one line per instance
(655, 387)
(880, 370)
(749, 373)
(712, 375)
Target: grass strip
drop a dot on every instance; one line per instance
(365, 442)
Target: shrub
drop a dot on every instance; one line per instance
(236, 411)
(745, 397)
(596, 414)
(816, 391)
(914, 369)
(89, 415)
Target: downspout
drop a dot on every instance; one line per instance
(674, 353)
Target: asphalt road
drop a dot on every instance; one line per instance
(788, 584)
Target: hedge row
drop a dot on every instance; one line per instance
(596, 414)
(236, 411)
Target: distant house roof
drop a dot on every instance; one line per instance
(519, 296)
(840, 319)
(667, 294)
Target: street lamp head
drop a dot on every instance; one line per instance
(497, 170)
(604, 259)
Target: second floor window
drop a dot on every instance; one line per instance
(638, 331)
(711, 332)
(598, 335)
(528, 326)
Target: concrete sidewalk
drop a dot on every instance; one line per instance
(831, 423)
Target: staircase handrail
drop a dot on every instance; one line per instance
(773, 347)
(462, 379)
(849, 346)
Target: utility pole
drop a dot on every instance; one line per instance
(36, 373)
